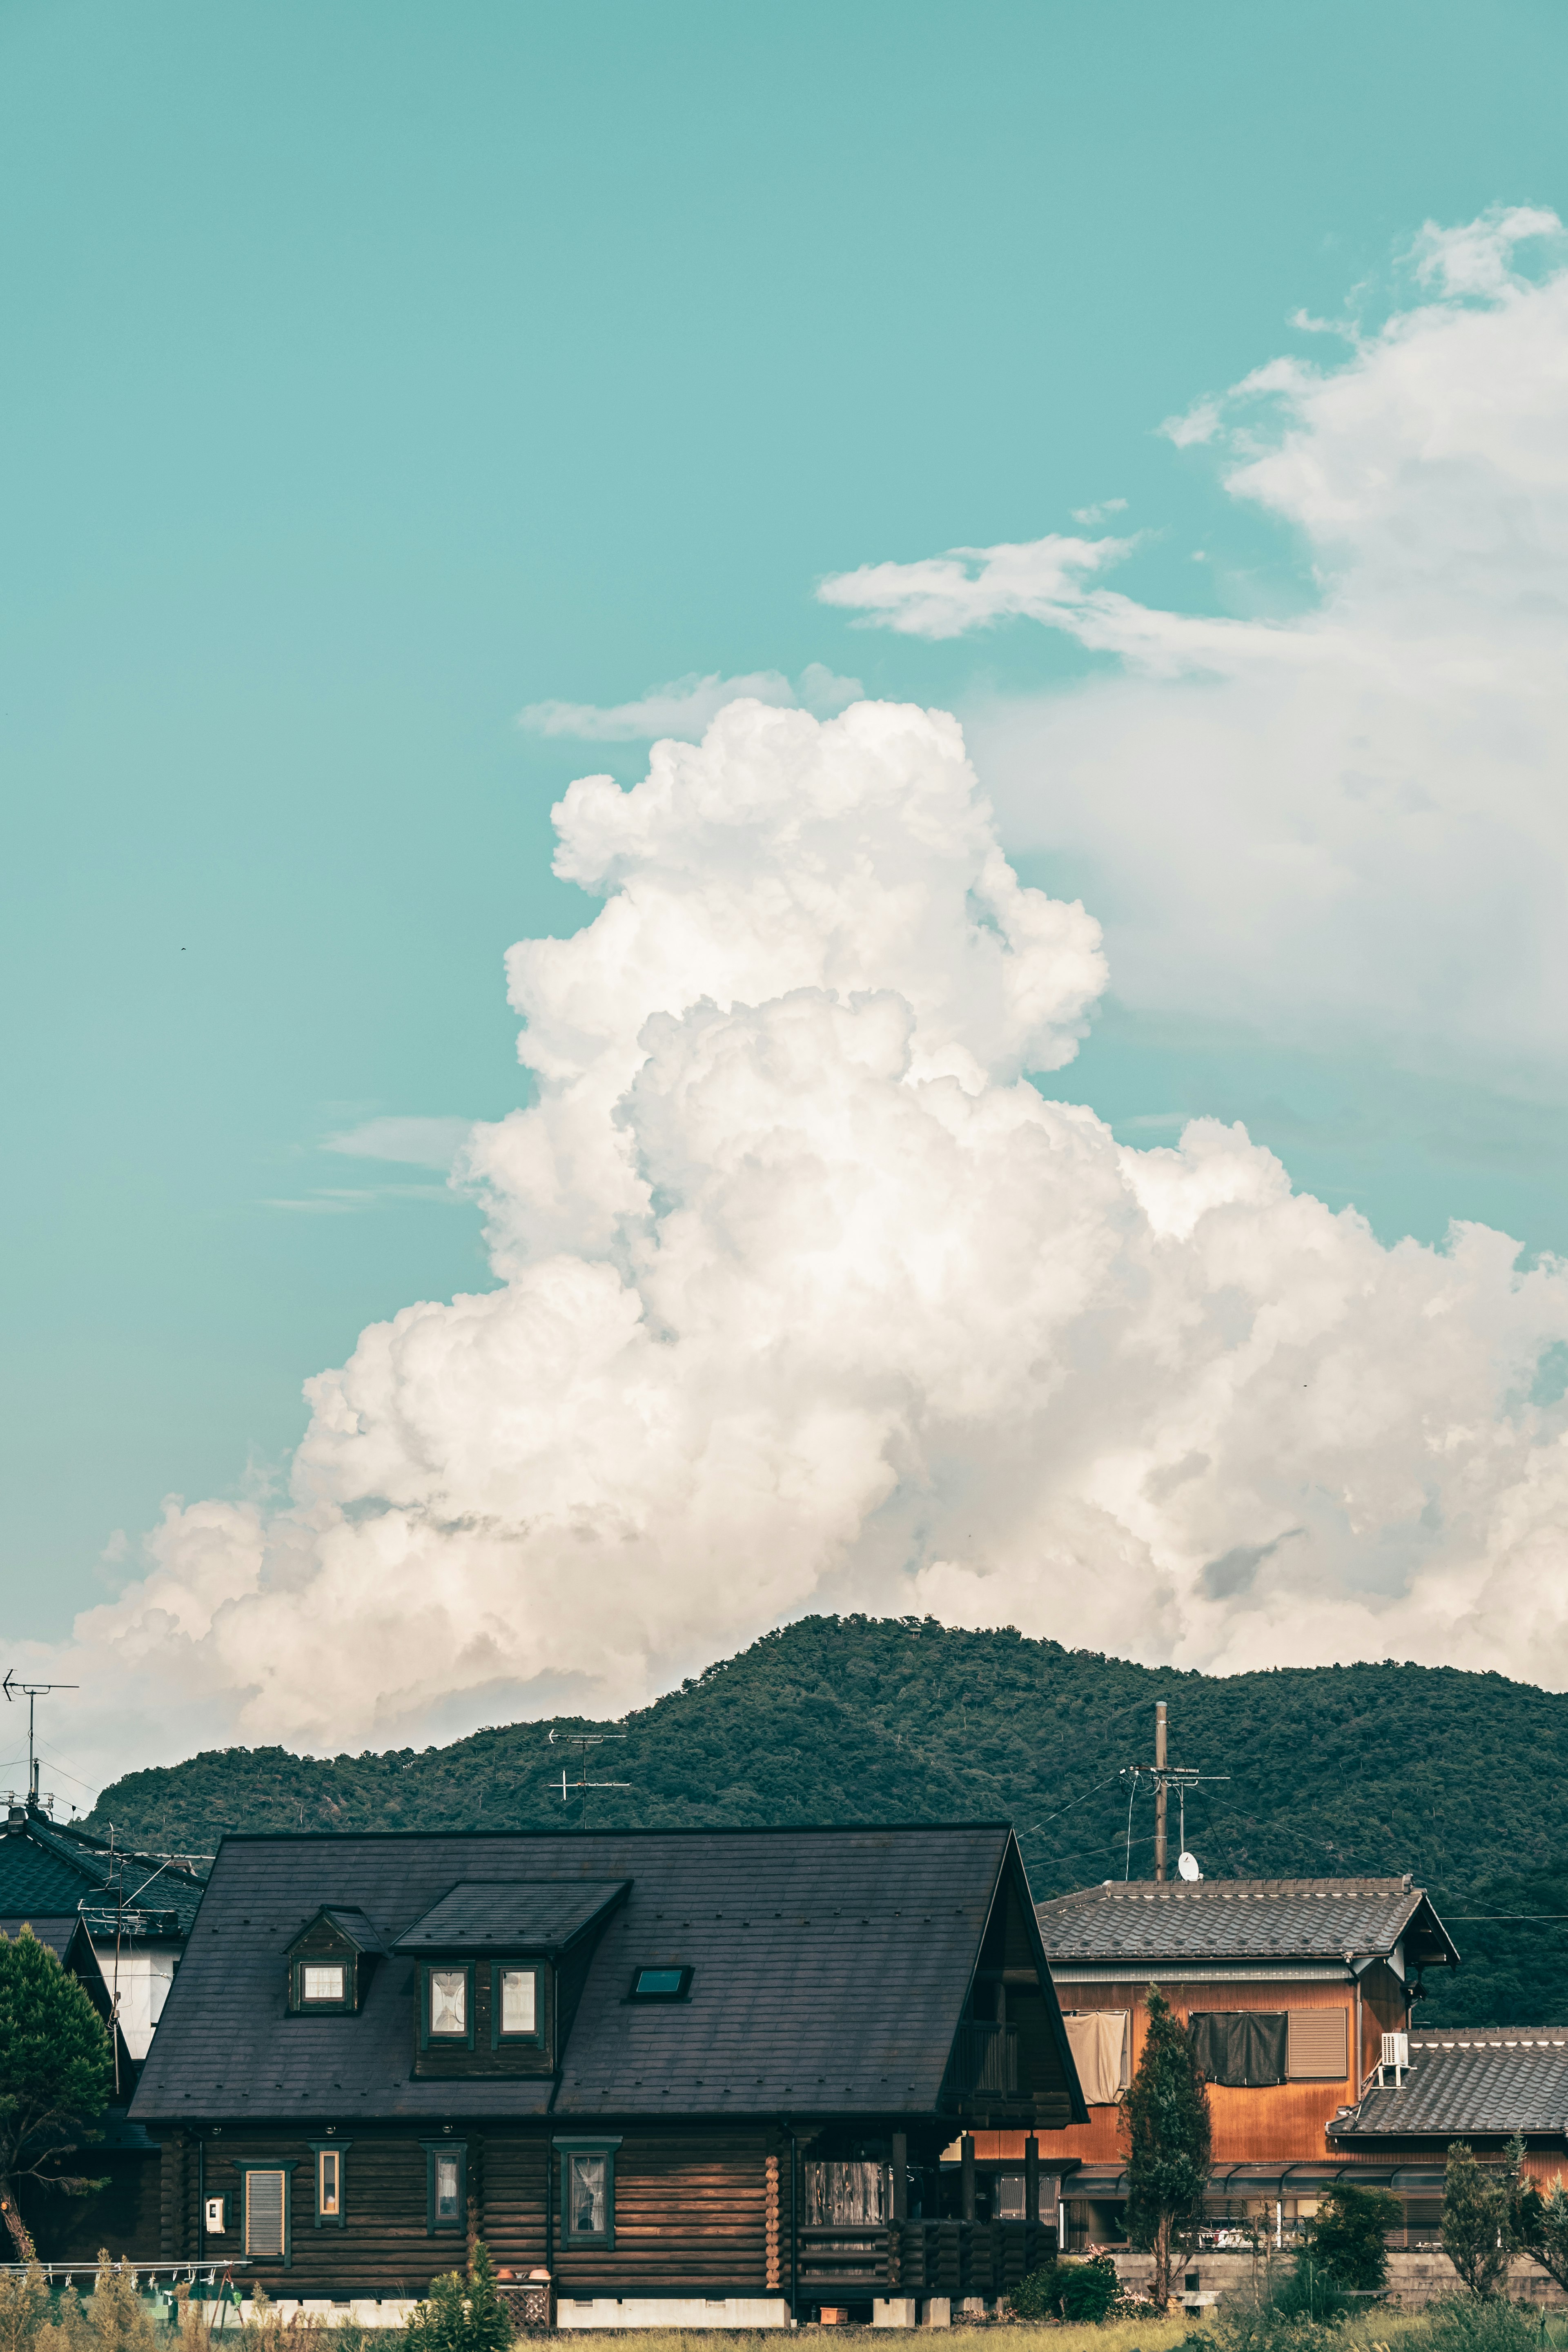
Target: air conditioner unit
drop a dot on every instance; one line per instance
(1396, 2062)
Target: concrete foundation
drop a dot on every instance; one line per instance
(894, 2311)
(1413, 2278)
(672, 2311)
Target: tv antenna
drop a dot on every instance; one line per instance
(1165, 1776)
(32, 1693)
(582, 1741)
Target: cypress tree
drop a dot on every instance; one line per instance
(1479, 2229)
(1166, 2125)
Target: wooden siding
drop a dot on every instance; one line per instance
(690, 2216)
(1285, 2121)
(695, 2211)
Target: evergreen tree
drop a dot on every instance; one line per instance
(56, 2068)
(1480, 2218)
(1349, 2236)
(1166, 2125)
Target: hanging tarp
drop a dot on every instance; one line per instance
(1244, 2048)
(1097, 2038)
(845, 2195)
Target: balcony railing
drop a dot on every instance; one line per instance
(920, 2258)
(985, 2059)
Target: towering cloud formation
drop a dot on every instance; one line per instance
(1358, 808)
(808, 1297)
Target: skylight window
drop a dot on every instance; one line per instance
(660, 1984)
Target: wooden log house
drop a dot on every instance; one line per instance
(693, 2075)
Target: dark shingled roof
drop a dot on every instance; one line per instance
(531, 1914)
(57, 1933)
(1481, 2079)
(353, 1923)
(830, 1967)
(46, 1867)
(1243, 1919)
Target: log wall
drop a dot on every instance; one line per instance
(697, 2212)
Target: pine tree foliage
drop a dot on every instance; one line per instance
(1165, 2125)
(1480, 2230)
(56, 2070)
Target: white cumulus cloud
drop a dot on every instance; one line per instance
(805, 1296)
(1351, 822)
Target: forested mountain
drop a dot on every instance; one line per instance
(1309, 1772)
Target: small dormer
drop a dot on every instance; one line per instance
(500, 1965)
(329, 1963)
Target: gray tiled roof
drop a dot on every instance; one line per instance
(48, 1866)
(56, 1932)
(1485, 2080)
(532, 1914)
(830, 1968)
(1237, 1918)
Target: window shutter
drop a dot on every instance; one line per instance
(264, 2194)
(1317, 2042)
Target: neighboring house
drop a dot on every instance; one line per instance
(1480, 2084)
(1288, 1986)
(698, 2075)
(123, 2215)
(136, 1908)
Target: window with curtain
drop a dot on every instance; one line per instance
(518, 2004)
(1243, 2049)
(449, 2188)
(588, 2191)
(449, 2003)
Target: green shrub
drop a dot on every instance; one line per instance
(1463, 2322)
(1309, 2291)
(462, 2314)
(1348, 2238)
(1078, 2291)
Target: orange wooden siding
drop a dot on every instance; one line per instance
(1285, 2121)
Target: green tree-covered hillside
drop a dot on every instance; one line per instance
(1330, 1770)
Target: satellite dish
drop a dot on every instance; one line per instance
(1187, 1866)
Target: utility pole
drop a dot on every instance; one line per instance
(1160, 1792)
(1165, 1776)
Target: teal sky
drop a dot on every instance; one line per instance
(373, 370)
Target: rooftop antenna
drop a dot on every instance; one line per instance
(32, 1693)
(1165, 1776)
(582, 1741)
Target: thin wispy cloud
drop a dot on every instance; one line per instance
(687, 705)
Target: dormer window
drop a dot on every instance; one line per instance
(446, 2005)
(491, 1983)
(330, 1962)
